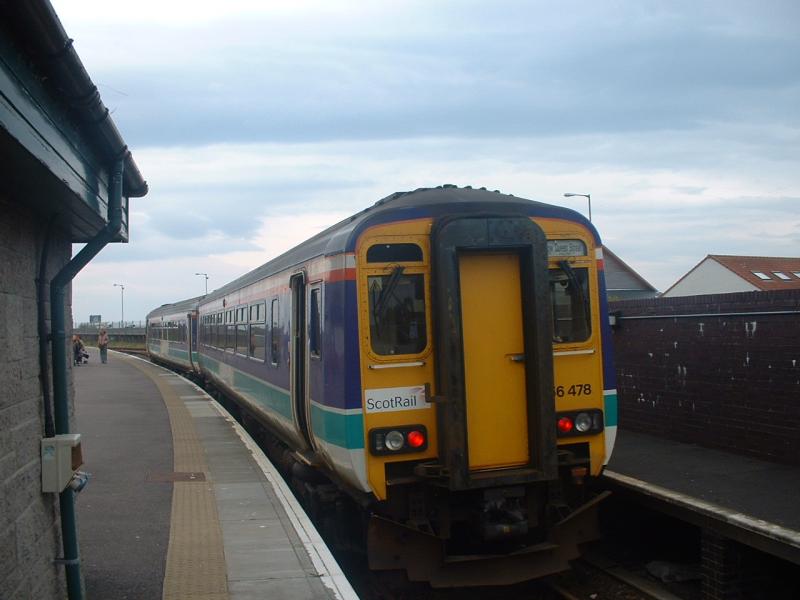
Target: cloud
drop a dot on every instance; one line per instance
(257, 123)
(415, 70)
(237, 206)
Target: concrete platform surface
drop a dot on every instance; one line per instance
(753, 495)
(182, 503)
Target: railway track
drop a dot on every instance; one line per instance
(597, 578)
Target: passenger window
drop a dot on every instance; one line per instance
(258, 341)
(569, 293)
(397, 313)
(314, 324)
(274, 339)
(257, 313)
(242, 341)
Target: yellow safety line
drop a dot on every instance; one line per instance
(195, 568)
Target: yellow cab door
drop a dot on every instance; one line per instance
(495, 386)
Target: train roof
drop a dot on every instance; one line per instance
(174, 308)
(424, 202)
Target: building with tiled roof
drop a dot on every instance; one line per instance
(721, 274)
(622, 282)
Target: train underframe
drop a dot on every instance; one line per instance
(488, 536)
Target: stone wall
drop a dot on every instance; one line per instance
(30, 536)
(728, 378)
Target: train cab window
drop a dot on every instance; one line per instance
(314, 324)
(569, 293)
(394, 253)
(274, 333)
(397, 313)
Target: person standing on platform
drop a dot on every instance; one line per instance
(102, 343)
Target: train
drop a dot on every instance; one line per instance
(441, 360)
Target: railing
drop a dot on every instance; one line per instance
(131, 337)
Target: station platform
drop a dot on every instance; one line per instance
(181, 502)
(748, 500)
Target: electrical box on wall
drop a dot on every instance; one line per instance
(61, 458)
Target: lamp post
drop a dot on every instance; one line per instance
(588, 197)
(122, 303)
(206, 276)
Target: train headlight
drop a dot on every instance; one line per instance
(394, 441)
(398, 440)
(580, 422)
(583, 422)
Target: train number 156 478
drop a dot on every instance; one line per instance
(576, 389)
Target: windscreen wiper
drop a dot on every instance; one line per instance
(382, 302)
(576, 285)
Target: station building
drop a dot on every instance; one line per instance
(67, 177)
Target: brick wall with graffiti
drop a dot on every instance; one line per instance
(721, 371)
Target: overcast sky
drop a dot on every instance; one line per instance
(258, 123)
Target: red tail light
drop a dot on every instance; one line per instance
(588, 421)
(415, 439)
(401, 439)
(565, 424)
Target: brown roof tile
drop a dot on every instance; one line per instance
(745, 266)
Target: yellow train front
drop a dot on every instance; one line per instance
(489, 400)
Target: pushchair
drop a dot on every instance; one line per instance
(81, 356)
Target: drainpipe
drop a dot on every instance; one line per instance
(69, 529)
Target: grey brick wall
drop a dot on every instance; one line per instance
(29, 526)
(727, 382)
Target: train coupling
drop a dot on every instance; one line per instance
(502, 514)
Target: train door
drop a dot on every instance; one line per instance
(298, 354)
(494, 352)
(193, 321)
(313, 358)
(191, 345)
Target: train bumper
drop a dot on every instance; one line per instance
(395, 546)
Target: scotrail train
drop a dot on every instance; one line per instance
(444, 359)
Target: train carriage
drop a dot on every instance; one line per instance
(444, 357)
(172, 335)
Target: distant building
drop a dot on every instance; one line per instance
(622, 282)
(722, 274)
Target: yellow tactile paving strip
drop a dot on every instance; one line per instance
(195, 567)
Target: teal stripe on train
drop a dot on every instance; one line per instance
(272, 398)
(179, 353)
(610, 405)
(345, 430)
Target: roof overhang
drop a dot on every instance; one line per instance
(57, 140)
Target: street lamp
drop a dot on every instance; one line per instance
(206, 276)
(588, 197)
(122, 302)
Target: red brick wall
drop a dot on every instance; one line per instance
(723, 381)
